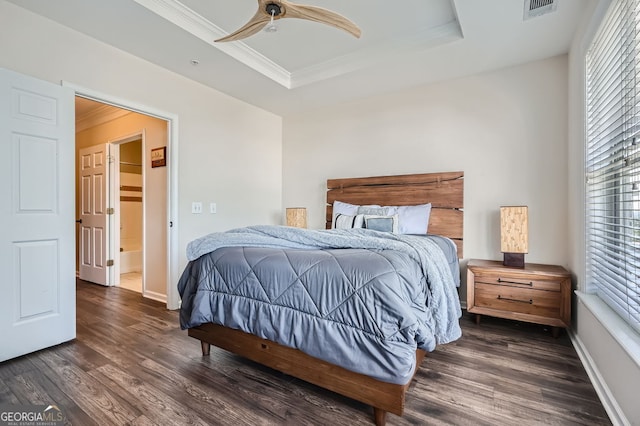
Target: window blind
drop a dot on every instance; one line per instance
(613, 161)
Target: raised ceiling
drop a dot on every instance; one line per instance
(302, 52)
(304, 64)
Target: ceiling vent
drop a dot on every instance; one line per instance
(535, 8)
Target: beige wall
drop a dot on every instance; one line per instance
(131, 214)
(229, 152)
(131, 220)
(155, 188)
(131, 152)
(506, 130)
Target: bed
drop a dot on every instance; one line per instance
(382, 373)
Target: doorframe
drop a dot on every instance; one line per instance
(114, 192)
(172, 273)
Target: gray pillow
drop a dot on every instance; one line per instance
(381, 223)
(373, 210)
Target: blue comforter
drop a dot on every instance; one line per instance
(360, 299)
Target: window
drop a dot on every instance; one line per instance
(613, 162)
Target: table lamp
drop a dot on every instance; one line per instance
(297, 217)
(514, 235)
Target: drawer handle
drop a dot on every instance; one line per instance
(530, 283)
(530, 301)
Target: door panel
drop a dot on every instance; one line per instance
(94, 228)
(37, 292)
(35, 107)
(32, 157)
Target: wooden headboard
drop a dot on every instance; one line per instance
(445, 192)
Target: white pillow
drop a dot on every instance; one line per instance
(344, 221)
(412, 219)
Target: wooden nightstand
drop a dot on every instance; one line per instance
(538, 293)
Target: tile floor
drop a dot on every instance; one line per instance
(131, 281)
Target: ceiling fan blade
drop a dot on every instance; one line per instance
(324, 16)
(255, 24)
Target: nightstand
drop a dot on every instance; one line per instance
(536, 293)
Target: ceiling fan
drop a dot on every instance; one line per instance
(268, 10)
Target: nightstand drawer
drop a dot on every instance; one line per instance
(516, 299)
(520, 281)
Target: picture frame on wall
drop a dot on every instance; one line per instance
(159, 157)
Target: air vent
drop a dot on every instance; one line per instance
(535, 8)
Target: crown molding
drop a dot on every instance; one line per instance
(195, 24)
(99, 115)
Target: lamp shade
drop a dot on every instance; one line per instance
(514, 229)
(297, 217)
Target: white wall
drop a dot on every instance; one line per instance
(613, 372)
(229, 151)
(506, 130)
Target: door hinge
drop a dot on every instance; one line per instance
(111, 159)
(110, 262)
(110, 210)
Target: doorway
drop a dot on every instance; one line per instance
(171, 271)
(128, 189)
(136, 198)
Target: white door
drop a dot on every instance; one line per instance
(94, 164)
(37, 242)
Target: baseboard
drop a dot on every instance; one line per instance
(155, 296)
(609, 403)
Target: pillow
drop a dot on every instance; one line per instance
(413, 219)
(342, 208)
(344, 221)
(381, 223)
(345, 208)
(373, 210)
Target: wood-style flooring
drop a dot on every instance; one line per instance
(131, 364)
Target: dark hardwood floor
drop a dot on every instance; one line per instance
(131, 364)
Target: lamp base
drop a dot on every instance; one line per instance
(513, 260)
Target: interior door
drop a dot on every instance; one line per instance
(94, 164)
(37, 238)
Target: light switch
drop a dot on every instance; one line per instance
(196, 207)
(213, 208)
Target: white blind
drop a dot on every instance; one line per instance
(613, 161)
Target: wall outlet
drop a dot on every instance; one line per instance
(213, 208)
(196, 207)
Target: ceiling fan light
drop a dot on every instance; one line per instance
(272, 27)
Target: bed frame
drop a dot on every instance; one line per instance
(445, 192)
